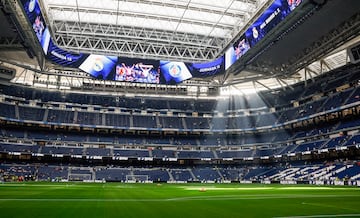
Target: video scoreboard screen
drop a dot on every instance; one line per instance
(270, 18)
(153, 71)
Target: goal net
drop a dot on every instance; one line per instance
(80, 174)
(79, 177)
(137, 178)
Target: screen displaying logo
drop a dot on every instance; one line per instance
(174, 71)
(32, 5)
(99, 66)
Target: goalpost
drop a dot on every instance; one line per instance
(137, 179)
(79, 177)
(80, 174)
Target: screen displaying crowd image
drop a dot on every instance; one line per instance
(138, 72)
(36, 19)
(149, 71)
(51, 51)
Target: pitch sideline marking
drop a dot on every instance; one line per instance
(196, 188)
(212, 188)
(195, 198)
(322, 215)
(329, 206)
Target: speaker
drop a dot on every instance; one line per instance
(318, 2)
(354, 53)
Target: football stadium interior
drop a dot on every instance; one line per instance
(185, 91)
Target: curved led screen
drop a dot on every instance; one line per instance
(271, 17)
(152, 71)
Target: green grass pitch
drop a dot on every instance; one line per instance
(176, 200)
